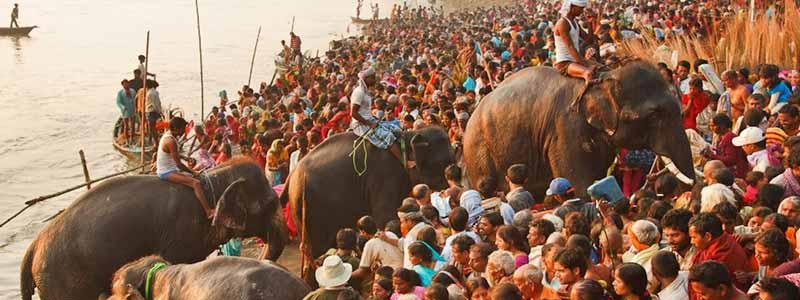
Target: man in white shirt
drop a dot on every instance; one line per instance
(538, 232)
(377, 251)
(753, 143)
(141, 68)
(410, 223)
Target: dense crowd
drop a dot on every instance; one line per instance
(733, 236)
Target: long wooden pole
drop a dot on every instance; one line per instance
(292, 30)
(85, 170)
(33, 201)
(253, 61)
(144, 96)
(200, 47)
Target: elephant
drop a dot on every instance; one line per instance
(222, 277)
(336, 196)
(559, 127)
(126, 218)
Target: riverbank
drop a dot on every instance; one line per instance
(451, 6)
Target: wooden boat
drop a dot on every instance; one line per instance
(133, 149)
(21, 31)
(360, 21)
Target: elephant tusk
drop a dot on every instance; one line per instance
(670, 165)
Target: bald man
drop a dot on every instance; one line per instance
(422, 193)
(528, 279)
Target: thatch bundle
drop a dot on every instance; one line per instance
(741, 43)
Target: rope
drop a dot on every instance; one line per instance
(360, 142)
(355, 164)
(33, 201)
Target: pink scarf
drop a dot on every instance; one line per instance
(791, 186)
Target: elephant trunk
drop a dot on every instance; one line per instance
(276, 237)
(675, 152)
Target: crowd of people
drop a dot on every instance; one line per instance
(733, 236)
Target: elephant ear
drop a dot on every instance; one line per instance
(230, 211)
(601, 105)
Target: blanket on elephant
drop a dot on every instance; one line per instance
(382, 136)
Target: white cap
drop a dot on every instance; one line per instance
(579, 3)
(749, 135)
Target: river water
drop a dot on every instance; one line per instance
(58, 86)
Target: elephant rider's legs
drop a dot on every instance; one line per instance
(180, 178)
(576, 70)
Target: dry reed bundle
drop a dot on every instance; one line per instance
(741, 43)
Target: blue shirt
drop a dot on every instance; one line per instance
(425, 274)
(781, 89)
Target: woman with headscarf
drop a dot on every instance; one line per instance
(276, 156)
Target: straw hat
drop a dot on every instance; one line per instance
(333, 272)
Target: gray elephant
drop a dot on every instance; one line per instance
(533, 118)
(126, 218)
(336, 196)
(216, 278)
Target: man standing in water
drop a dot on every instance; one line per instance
(569, 36)
(169, 165)
(14, 16)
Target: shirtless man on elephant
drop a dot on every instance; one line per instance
(569, 36)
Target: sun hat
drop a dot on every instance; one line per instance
(559, 186)
(333, 272)
(749, 135)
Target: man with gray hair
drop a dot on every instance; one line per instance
(499, 267)
(717, 191)
(411, 222)
(644, 238)
(528, 279)
(790, 208)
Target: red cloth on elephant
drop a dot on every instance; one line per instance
(733, 157)
(286, 212)
(727, 251)
(699, 103)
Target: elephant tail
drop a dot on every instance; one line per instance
(26, 281)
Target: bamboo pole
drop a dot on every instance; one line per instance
(85, 170)
(200, 48)
(143, 121)
(33, 201)
(253, 61)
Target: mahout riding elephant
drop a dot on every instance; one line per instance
(221, 277)
(537, 118)
(336, 196)
(126, 218)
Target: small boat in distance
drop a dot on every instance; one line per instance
(360, 21)
(17, 31)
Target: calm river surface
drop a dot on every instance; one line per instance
(58, 86)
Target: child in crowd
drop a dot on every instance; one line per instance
(755, 180)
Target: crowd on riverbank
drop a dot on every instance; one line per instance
(732, 237)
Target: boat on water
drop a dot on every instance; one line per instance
(131, 146)
(16, 31)
(365, 21)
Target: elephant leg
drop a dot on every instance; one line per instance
(581, 164)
